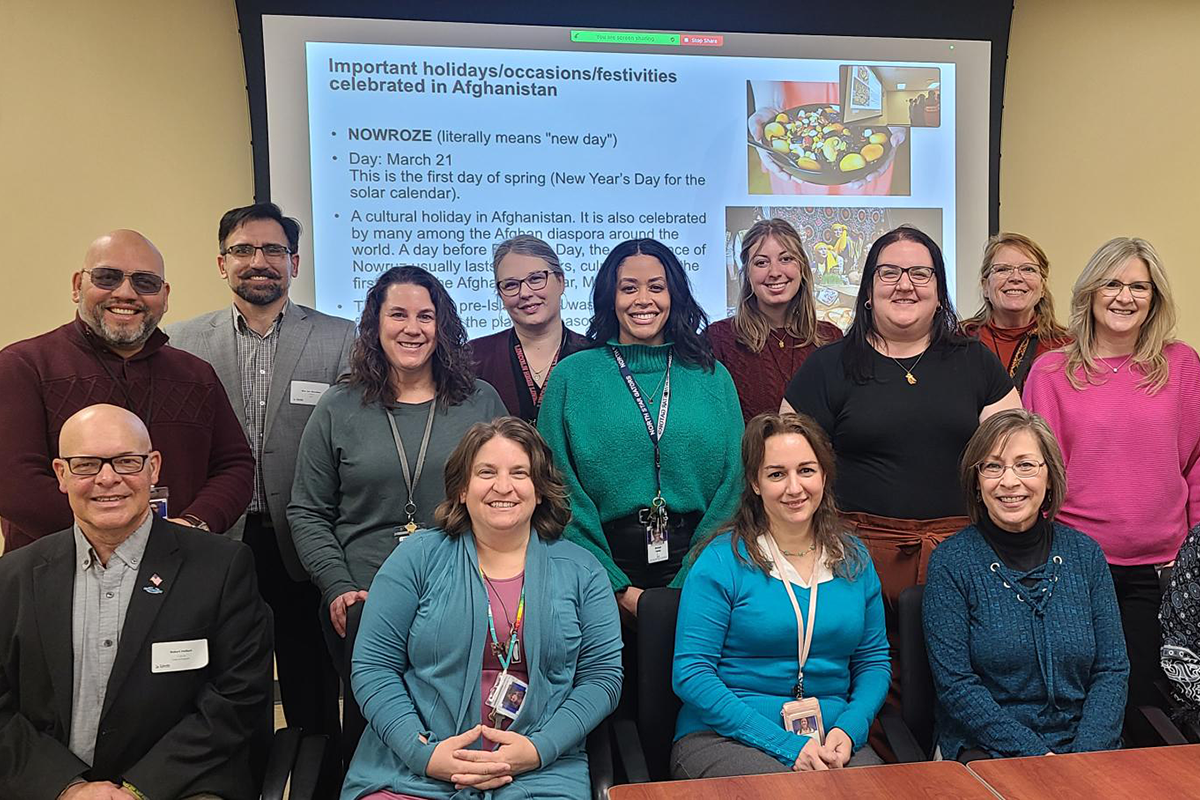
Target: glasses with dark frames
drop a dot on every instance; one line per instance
(510, 287)
(245, 252)
(126, 464)
(889, 273)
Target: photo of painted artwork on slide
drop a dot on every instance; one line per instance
(836, 241)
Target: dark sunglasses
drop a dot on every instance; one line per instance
(109, 278)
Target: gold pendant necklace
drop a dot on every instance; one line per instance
(908, 376)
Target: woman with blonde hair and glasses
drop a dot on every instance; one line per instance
(1125, 395)
(1016, 321)
(775, 326)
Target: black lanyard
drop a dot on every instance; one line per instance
(655, 433)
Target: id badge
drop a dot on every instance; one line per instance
(656, 544)
(507, 695)
(158, 500)
(803, 717)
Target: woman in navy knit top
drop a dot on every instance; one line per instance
(1021, 620)
(738, 642)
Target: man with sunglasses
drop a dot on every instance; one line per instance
(135, 654)
(275, 358)
(113, 352)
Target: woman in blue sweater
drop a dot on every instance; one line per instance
(490, 648)
(755, 672)
(1021, 620)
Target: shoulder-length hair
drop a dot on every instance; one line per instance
(991, 436)
(943, 328)
(453, 375)
(843, 554)
(1047, 328)
(685, 321)
(552, 513)
(1156, 331)
(750, 325)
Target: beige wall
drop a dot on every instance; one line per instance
(133, 113)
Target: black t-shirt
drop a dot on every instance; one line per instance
(898, 445)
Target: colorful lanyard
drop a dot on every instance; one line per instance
(804, 633)
(505, 660)
(535, 393)
(655, 433)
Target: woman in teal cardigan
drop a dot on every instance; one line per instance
(646, 317)
(466, 688)
(737, 654)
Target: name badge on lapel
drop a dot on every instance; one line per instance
(178, 656)
(307, 393)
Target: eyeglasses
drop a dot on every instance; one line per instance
(109, 278)
(1022, 469)
(245, 252)
(510, 287)
(1006, 270)
(1141, 289)
(889, 273)
(129, 464)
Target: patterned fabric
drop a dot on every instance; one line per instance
(256, 359)
(1180, 620)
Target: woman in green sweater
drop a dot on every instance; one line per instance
(648, 375)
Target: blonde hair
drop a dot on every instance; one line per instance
(1047, 328)
(800, 319)
(1155, 332)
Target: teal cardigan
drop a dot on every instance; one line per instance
(418, 661)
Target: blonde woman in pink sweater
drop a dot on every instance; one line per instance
(1124, 401)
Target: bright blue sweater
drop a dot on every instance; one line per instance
(735, 652)
(1023, 670)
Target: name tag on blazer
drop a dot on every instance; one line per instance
(307, 393)
(178, 656)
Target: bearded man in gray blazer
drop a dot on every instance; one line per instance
(275, 358)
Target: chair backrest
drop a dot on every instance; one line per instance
(353, 722)
(657, 704)
(917, 696)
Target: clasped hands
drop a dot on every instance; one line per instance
(832, 755)
(482, 769)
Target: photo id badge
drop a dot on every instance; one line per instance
(507, 695)
(803, 717)
(158, 500)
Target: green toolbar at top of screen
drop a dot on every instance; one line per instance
(625, 37)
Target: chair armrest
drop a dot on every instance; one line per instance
(284, 746)
(1161, 730)
(308, 768)
(901, 739)
(600, 760)
(629, 749)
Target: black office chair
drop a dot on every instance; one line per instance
(910, 733)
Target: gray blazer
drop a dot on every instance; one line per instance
(313, 347)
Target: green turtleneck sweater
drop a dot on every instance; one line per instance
(601, 445)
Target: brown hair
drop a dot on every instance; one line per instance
(992, 435)
(842, 551)
(553, 512)
(1048, 329)
(749, 323)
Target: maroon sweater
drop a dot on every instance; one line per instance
(207, 465)
(761, 378)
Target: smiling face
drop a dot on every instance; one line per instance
(120, 317)
(500, 496)
(1014, 295)
(643, 301)
(775, 276)
(789, 481)
(258, 280)
(530, 308)
(1014, 502)
(903, 310)
(408, 329)
(1121, 317)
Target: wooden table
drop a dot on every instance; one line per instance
(938, 780)
(1152, 771)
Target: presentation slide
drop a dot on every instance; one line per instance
(431, 153)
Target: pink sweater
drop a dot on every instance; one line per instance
(1133, 459)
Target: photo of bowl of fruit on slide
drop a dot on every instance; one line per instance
(811, 144)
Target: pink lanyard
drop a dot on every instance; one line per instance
(804, 633)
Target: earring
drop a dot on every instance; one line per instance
(867, 305)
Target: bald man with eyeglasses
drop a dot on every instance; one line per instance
(113, 352)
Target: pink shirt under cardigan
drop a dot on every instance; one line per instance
(1133, 459)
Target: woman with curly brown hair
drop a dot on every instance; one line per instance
(369, 470)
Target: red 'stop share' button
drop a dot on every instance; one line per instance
(702, 40)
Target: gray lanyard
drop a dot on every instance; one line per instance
(410, 481)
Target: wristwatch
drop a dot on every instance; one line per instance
(195, 521)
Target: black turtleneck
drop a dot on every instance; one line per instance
(1020, 552)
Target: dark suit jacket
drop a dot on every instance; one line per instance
(169, 734)
(313, 347)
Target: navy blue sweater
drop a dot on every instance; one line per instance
(1019, 670)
